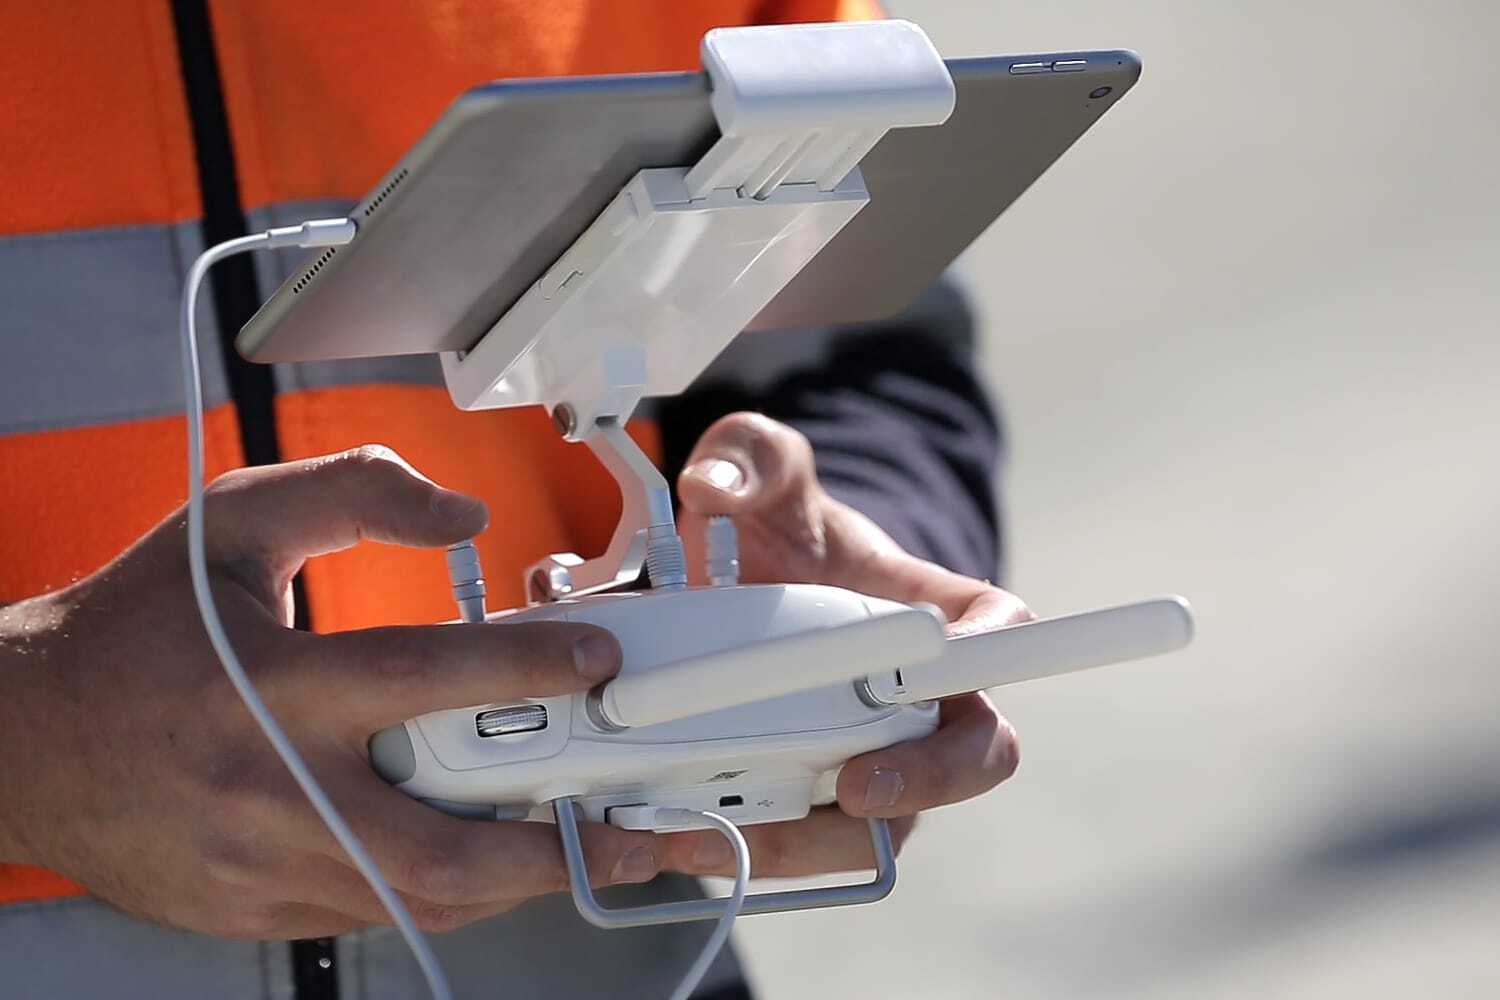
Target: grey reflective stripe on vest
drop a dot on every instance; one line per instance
(80, 947)
(88, 322)
(410, 369)
(543, 949)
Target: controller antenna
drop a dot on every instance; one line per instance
(467, 579)
(722, 546)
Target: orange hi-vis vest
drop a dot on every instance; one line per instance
(100, 216)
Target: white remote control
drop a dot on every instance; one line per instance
(742, 700)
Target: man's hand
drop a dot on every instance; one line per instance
(791, 531)
(130, 765)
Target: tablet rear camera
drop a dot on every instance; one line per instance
(1099, 92)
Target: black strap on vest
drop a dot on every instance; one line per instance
(235, 292)
(236, 296)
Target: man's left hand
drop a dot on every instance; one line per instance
(791, 531)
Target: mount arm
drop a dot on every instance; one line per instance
(645, 537)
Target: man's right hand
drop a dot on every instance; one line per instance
(128, 763)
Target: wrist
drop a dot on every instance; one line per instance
(26, 632)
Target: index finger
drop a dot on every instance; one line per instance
(374, 678)
(970, 605)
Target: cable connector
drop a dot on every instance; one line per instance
(467, 580)
(313, 233)
(662, 819)
(658, 818)
(323, 232)
(721, 551)
(666, 563)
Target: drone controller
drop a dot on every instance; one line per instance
(742, 701)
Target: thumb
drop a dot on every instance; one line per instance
(283, 514)
(746, 463)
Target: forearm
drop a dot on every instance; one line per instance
(22, 666)
(905, 436)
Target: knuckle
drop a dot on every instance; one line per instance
(542, 652)
(377, 464)
(1016, 611)
(795, 442)
(1003, 752)
(901, 831)
(554, 878)
(226, 484)
(261, 653)
(782, 437)
(258, 922)
(233, 857)
(943, 782)
(233, 780)
(222, 495)
(536, 658)
(437, 876)
(773, 854)
(741, 425)
(436, 918)
(372, 456)
(404, 659)
(243, 799)
(760, 434)
(754, 427)
(1008, 750)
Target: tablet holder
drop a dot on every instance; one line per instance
(684, 257)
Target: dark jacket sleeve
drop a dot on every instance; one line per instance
(900, 424)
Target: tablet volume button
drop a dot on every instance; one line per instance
(1021, 69)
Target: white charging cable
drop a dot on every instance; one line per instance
(691, 817)
(318, 233)
(463, 564)
(467, 580)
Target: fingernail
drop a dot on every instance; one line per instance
(884, 789)
(597, 656)
(455, 506)
(638, 865)
(712, 853)
(723, 475)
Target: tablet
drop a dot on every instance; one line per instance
(514, 171)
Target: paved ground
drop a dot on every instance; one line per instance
(1245, 334)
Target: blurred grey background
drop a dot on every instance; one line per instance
(1244, 335)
